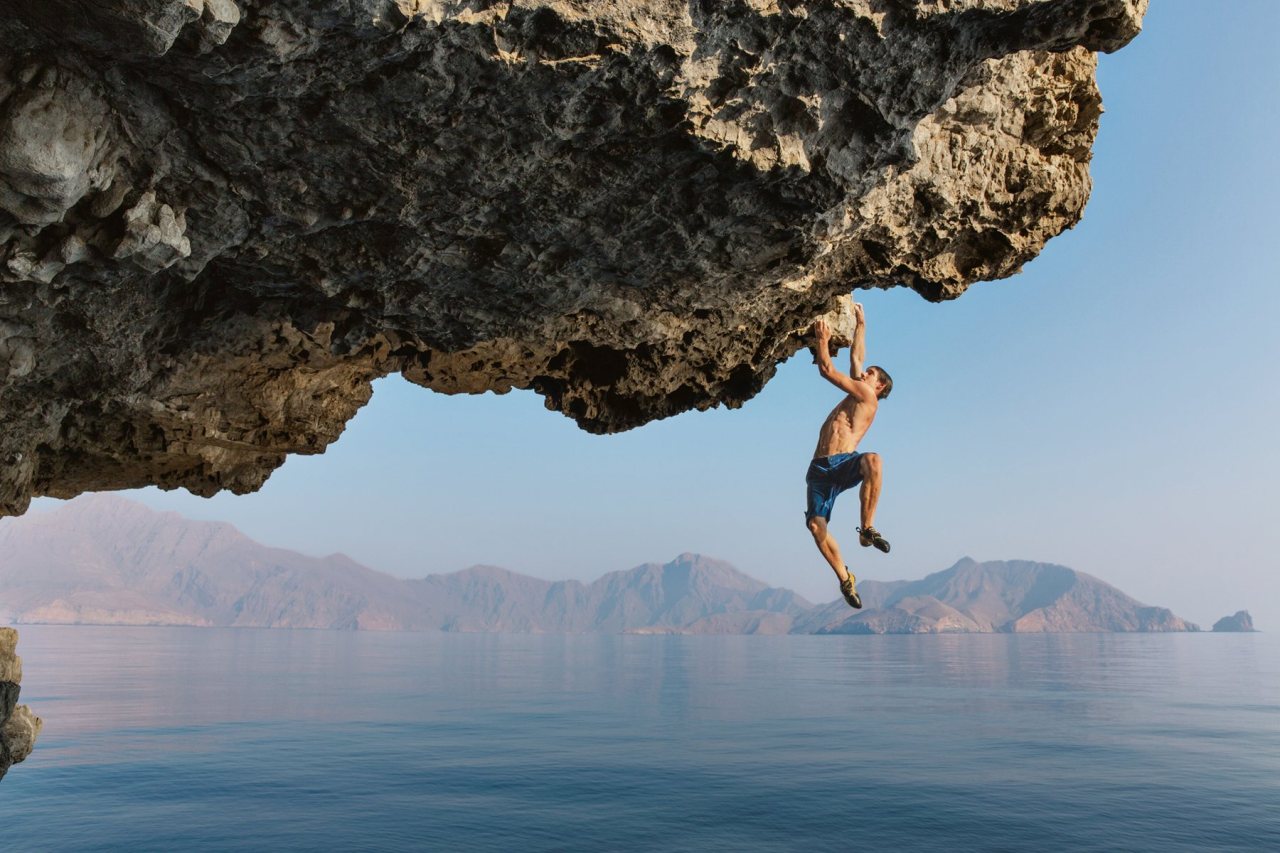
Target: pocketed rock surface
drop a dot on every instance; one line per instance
(220, 220)
(18, 726)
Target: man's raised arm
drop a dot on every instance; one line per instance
(828, 370)
(858, 352)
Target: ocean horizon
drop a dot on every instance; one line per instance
(215, 739)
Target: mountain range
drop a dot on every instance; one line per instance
(102, 559)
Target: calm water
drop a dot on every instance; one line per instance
(188, 739)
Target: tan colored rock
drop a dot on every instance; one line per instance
(20, 732)
(11, 669)
(19, 728)
(154, 235)
(220, 222)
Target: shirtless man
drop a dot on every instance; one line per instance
(836, 464)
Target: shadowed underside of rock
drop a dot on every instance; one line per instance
(220, 221)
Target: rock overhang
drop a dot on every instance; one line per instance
(221, 221)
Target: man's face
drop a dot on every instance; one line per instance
(875, 378)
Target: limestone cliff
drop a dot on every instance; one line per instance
(221, 219)
(18, 726)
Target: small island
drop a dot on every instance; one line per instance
(1240, 622)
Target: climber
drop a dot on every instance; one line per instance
(836, 464)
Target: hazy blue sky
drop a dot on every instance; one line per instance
(1113, 408)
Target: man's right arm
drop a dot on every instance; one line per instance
(848, 384)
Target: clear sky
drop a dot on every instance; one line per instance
(1113, 408)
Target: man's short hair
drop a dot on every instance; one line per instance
(885, 378)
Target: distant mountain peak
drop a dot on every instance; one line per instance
(1001, 596)
(105, 509)
(107, 559)
(486, 570)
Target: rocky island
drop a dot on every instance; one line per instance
(1240, 622)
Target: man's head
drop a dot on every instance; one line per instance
(877, 377)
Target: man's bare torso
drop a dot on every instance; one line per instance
(845, 426)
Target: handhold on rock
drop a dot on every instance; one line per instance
(154, 235)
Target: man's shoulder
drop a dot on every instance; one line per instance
(862, 391)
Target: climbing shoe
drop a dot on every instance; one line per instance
(868, 536)
(849, 593)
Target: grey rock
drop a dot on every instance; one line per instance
(1241, 621)
(220, 221)
(53, 145)
(19, 728)
(17, 350)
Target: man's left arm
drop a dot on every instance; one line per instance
(858, 352)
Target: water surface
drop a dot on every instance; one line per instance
(211, 739)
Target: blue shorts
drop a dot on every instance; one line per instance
(828, 476)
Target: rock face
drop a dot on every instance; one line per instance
(1240, 622)
(19, 728)
(220, 220)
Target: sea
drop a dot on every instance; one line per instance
(188, 739)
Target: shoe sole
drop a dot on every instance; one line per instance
(882, 544)
(852, 599)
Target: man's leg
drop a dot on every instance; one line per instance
(870, 492)
(827, 545)
(820, 494)
(869, 468)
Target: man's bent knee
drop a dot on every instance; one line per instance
(870, 463)
(817, 525)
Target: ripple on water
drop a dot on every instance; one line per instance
(213, 739)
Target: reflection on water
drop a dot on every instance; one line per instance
(204, 739)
